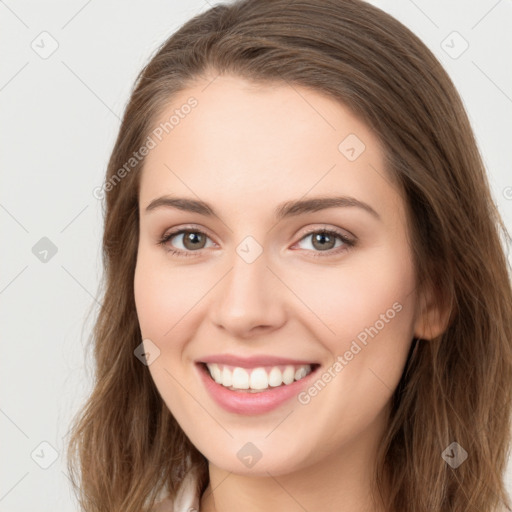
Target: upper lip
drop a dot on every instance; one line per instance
(253, 361)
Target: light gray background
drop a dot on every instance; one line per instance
(60, 119)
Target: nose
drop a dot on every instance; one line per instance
(249, 300)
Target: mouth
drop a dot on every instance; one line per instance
(258, 379)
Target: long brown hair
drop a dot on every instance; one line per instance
(126, 446)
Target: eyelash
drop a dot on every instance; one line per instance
(348, 242)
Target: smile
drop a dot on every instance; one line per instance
(257, 379)
(231, 387)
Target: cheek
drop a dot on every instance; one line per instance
(379, 293)
(160, 305)
(157, 303)
(169, 301)
(374, 326)
(370, 309)
(163, 295)
(151, 300)
(342, 301)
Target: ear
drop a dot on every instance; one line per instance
(433, 315)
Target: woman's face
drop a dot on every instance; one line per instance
(260, 173)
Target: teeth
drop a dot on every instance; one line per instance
(240, 379)
(216, 374)
(257, 378)
(275, 377)
(289, 375)
(226, 378)
(301, 373)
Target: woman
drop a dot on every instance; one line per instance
(307, 305)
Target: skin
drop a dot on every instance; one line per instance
(245, 149)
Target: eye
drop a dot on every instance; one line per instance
(192, 240)
(324, 241)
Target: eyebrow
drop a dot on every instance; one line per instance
(284, 210)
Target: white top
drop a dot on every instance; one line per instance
(187, 500)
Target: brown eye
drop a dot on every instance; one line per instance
(327, 242)
(194, 240)
(323, 240)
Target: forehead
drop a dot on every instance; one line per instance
(246, 145)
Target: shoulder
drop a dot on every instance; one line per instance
(187, 499)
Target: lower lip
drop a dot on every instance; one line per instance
(243, 402)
